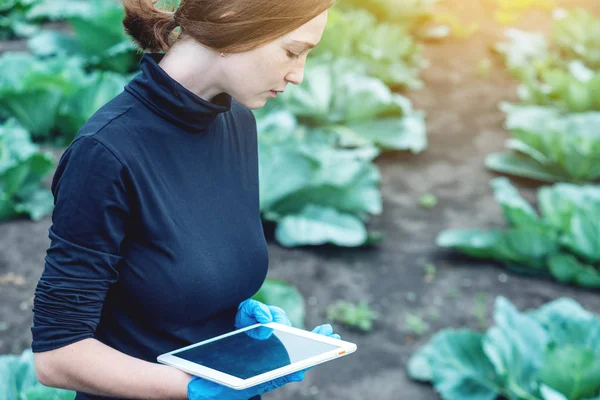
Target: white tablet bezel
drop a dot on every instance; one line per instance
(234, 382)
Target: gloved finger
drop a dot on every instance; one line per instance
(325, 329)
(336, 336)
(279, 315)
(284, 380)
(297, 376)
(276, 383)
(260, 312)
(307, 369)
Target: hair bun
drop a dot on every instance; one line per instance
(148, 26)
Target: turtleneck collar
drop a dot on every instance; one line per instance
(169, 99)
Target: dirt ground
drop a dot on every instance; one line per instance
(464, 125)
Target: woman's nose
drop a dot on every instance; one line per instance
(296, 76)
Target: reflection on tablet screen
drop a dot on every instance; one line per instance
(255, 351)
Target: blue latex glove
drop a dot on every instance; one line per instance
(252, 312)
(202, 389)
(326, 330)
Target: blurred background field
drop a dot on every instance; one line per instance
(433, 178)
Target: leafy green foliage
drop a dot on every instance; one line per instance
(549, 145)
(338, 98)
(564, 241)
(22, 168)
(409, 13)
(317, 141)
(564, 73)
(430, 272)
(522, 49)
(416, 324)
(522, 356)
(388, 52)
(27, 82)
(480, 302)
(575, 88)
(99, 38)
(576, 36)
(70, 96)
(13, 20)
(316, 225)
(455, 363)
(281, 294)
(428, 200)
(56, 75)
(359, 315)
(18, 380)
(98, 89)
(316, 192)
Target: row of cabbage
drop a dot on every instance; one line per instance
(319, 183)
(555, 137)
(552, 353)
(554, 127)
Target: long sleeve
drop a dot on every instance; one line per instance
(89, 222)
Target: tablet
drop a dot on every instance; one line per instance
(256, 354)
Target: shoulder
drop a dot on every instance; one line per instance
(111, 127)
(89, 158)
(90, 149)
(88, 168)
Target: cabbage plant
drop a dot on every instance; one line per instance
(549, 145)
(339, 98)
(563, 240)
(18, 380)
(27, 82)
(69, 94)
(562, 72)
(314, 191)
(22, 168)
(99, 37)
(285, 296)
(410, 13)
(551, 353)
(13, 21)
(388, 51)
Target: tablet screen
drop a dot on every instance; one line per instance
(254, 352)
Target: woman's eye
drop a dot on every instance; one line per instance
(292, 55)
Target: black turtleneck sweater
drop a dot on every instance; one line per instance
(156, 235)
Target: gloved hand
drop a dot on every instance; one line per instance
(326, 330)
(252, 312)
(202, 389)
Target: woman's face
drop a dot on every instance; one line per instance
(250, 76)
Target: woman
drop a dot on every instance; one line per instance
(156, 238)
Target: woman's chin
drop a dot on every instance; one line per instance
(255, 103)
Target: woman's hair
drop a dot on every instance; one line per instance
(248, 24)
